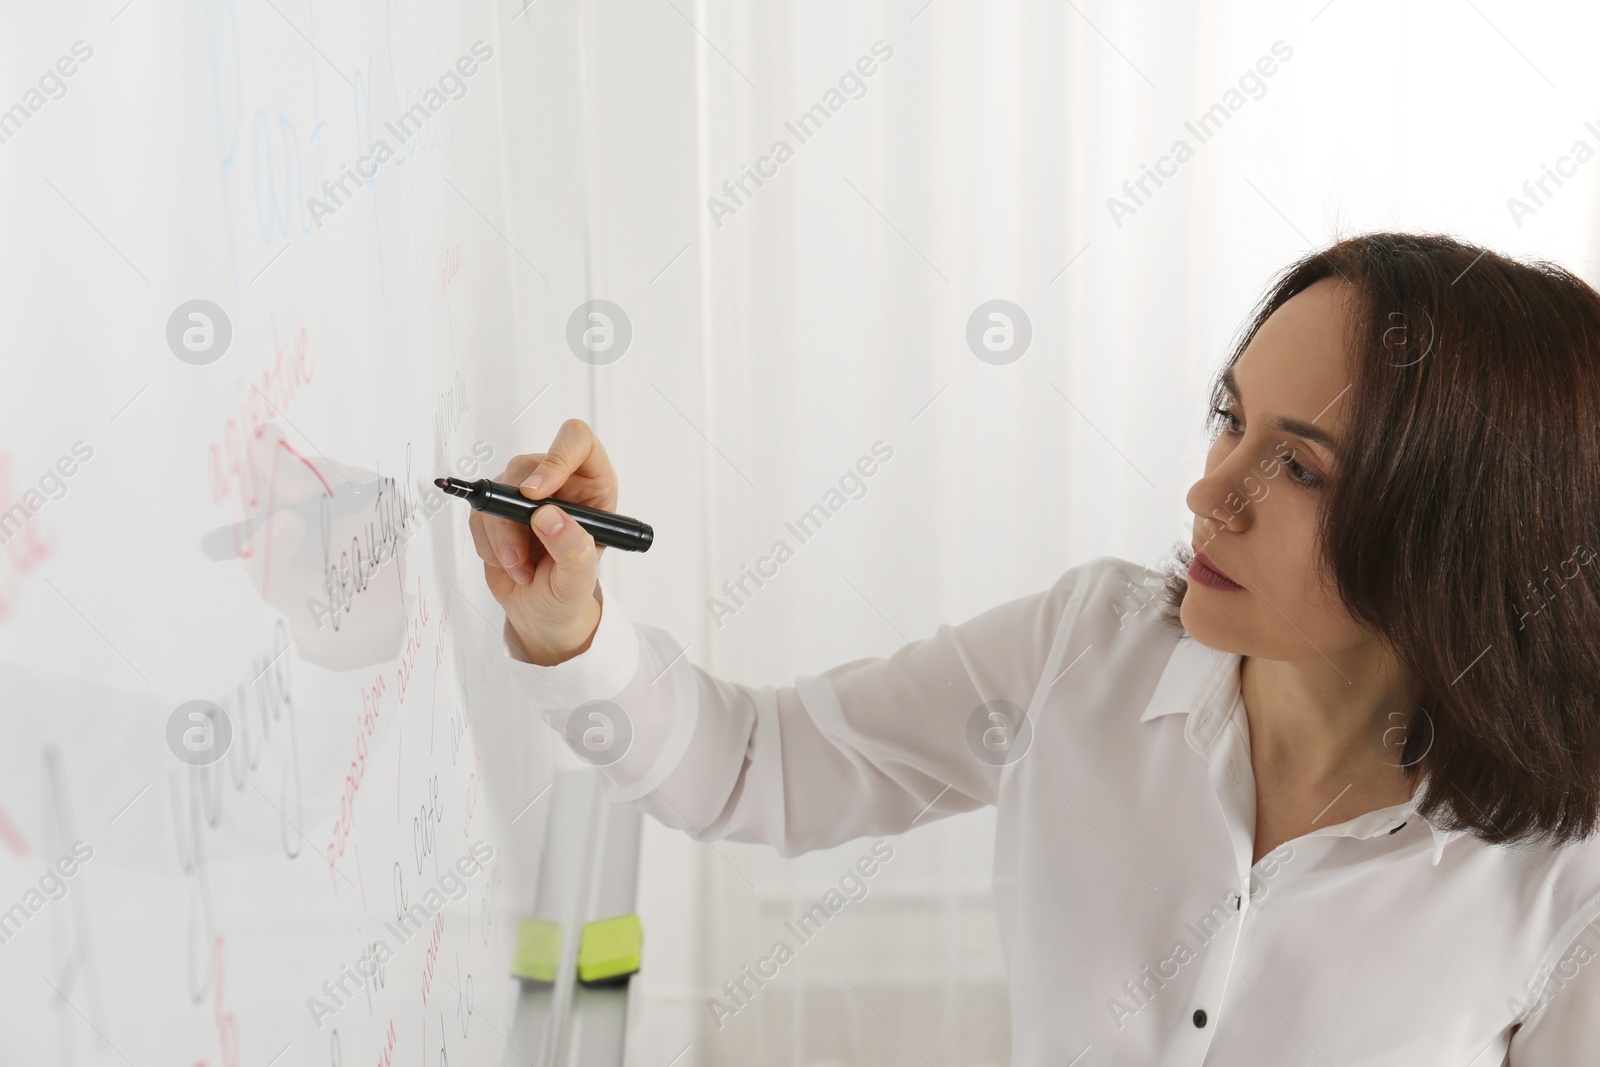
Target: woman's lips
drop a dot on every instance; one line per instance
(1203, 571)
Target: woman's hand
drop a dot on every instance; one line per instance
(545, 578)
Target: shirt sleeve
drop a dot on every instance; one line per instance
(1566, 1028)
(869, 747)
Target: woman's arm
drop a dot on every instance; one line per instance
(871, 746)
(1566, 1029)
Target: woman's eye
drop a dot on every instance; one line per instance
(1297, 473)
(1228, 421)
(1303, 476)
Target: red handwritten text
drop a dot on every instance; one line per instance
(24, 551)
(433, 956)
(452, 267)
(414, 627)
(229, 460)
(227, 1023)
(367, 725)
(386, 1057)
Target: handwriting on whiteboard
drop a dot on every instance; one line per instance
(22, 553)
(366, 726)
(316, 519)
(52, 485)
(338, 991)
(262, 703)
(394, 519)
(230, 460)
(415, 625)
(452, 267)
(449, 406)
(227, 1023)
(433, 955)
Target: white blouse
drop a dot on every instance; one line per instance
(1135, 928)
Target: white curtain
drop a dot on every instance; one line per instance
(777, 339)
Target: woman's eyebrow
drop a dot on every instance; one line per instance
(1298, 427)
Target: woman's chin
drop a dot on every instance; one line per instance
(1215, 626)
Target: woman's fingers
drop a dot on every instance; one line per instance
(506, 545)
(576, 454)
(524, 557)
(572, 551)
(519, 468)
(547, 570)
(501, 542)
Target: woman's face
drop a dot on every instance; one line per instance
(1256, 507)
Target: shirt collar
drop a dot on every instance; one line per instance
(1204, 680)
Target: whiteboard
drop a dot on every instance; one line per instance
(252, 699)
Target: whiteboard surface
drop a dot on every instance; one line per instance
(256, 526)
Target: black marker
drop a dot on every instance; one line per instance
(507, 501)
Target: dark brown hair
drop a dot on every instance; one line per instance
(1459, 523)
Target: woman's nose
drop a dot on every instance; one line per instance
(1226, 491)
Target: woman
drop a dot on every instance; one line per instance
(1325, 793)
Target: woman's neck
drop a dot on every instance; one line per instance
(1329, 720)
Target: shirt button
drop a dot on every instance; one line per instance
(1199, 1016)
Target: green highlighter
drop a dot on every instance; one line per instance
(609, 950)
(538, 950)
